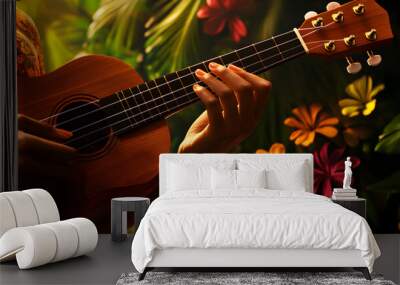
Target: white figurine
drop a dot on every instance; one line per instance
(347, 174)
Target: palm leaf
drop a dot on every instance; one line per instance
(122, 18)
(172, 36)
(63, 39)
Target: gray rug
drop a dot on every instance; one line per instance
(243, 278)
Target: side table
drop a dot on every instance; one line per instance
(119, 208)
(357, 205)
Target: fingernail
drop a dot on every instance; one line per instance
(196, 87)
(63, 133)
(216, 66)
(200, 73)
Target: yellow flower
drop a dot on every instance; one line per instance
(275, 148)
(362, 93)
(310, 121)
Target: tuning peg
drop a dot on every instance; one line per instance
(332, 6)
(353, 67)
(373, 59)
(310, 14)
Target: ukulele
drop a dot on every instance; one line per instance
(118, 121)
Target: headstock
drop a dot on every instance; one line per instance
(356, 26)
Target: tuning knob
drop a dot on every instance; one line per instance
(332, 6)
(353, 67)
(373, 59)
(310, 14)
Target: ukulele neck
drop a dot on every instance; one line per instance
(155, 99)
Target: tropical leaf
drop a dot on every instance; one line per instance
(64, 38)
(89, 6)
(172, 36)
(267, 27)
(122, 18)
(389, 141)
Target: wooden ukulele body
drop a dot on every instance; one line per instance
(124, 165)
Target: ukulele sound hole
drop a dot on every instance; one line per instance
(88, 124)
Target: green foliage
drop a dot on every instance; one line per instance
(116, 25)
(389, 141)
(172, 38)
(63, 39)
(89, 6)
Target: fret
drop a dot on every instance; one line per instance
(239, 59)
(268, 52)
(132, 109)
(116, 116)
(140, 102)
(200, 65)
(125, 105)
(277, 47)
(166, 93)
(176, 87)
(169, 86)
(258, 55)
(136, 110)
(158, 98)
(231, 58)
(289, 44)
(149, 104)
(250, 59)
(187, 79)
(153, 101)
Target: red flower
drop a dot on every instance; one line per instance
(329, 169)
(218, 13)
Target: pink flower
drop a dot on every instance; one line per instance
(329, 169)
(219, 13)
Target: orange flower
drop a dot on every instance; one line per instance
(275, 148)
(310, 121)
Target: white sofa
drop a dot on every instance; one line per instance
(31, 231)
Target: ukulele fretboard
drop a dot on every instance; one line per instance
(134, 107)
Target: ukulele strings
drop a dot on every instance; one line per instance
(169, 93)
(156, 87)
(190, 101)
(97, 100)
(146, 102)
(155, 107)
(141, 113)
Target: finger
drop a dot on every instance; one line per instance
(242, 87)
(48, 150)
(260, 85)
(34, 127)
(225, 95)
(212, 106)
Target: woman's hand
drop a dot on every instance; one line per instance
(233, 108)
(42, 151)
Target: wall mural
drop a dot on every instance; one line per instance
(314, 106)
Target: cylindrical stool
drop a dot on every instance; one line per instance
(119, 209)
